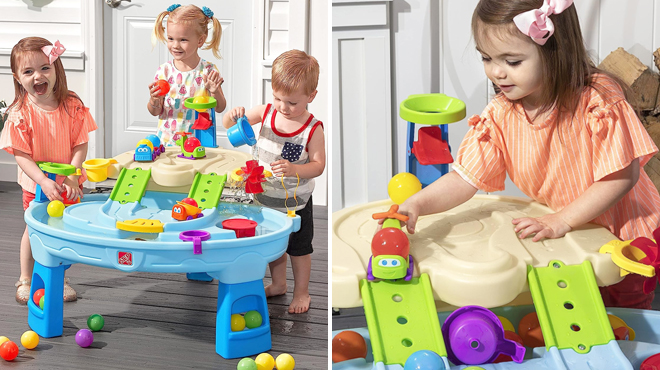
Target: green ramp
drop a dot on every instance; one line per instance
(569, 306)
(206, 189)
(131, 185)
(401, 318)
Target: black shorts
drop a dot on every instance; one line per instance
(300, 242)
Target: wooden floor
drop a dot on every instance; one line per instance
(152, 321)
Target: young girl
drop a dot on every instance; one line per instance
(187, 30)
(46, 122)
(561, 128)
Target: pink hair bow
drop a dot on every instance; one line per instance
(53, 51)
(537, 24)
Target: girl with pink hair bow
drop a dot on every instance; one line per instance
(46, 122)
(560, 128)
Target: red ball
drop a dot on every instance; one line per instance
(163, 86)
(191, 143)
(190, 201)
(8, 350)
(37, 296)
(390, 241)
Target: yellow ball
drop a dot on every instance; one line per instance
(55, 208)
(402, 186)
(29, 339)
(506, 324)
(265, 361)
(201, 100)
(285, 362)
(3, 339)
(237, 322)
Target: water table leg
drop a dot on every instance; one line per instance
(48, 322)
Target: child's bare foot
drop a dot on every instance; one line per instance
(274, 290)
(300, 303)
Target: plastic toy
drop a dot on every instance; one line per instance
(348, 345)
(402, 186)
(144, 151)
(159, 148)
(41, 303)
(241, 133)
(424, 360)
(163, 87)
(191, 147)
(529, 330)
(651, 363)
(205, 124)
(84, 338)
(37, 296)
(253, 319)
(55, 208)
(30, 339)
(428, 158)
(95, 322)
(247, 364)
(506, 324)
(97, 169)
(621, 330)
(3, 339)
(254, 177)
(285, 362)
(265, 361)
(237, 322)
(512, 336)
(186, 209)
(8, 351)
(390, 250)
(51, 170)
(243, 228)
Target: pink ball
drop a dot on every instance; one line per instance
(84, 337)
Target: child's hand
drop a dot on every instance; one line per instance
(236, 113)
(72, 188)
(410, 209)
(550, 226)
(283, 168)
(154, 92)
(213, 81)
(51, 189)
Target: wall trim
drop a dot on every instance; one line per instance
(92, 28)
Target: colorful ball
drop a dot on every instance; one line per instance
(285, 362)
(253, 319)
(191, 144)
(424, 360)
(246, 364)
(348, 345)
(265, 361)
(201, 100)
(8, 350)
(37, 295)
(41, 303)
(190, 201)
(402, 186)
(164, 87)
(3, 339)
(30, 339)
(95, 322)
(84, 338)
(506, 324)
(55, 208)
(237, 322)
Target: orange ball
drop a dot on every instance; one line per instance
(529, 330)
(348, 345)
(163, 86)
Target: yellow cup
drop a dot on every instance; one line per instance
(97, 169)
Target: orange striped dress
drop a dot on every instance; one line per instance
(555, 169)
(46, 135)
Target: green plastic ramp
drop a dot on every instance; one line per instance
(131, 185)
(207, 189)
(569, 306)
(402, 319)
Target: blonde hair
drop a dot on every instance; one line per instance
(191, 16)
(295, 70)
(18, 53)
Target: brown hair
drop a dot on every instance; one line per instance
(34, 45)
(190, 15)
(295, 70)
(567, 67)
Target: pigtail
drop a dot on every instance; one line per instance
(159, 31)
(214, 44)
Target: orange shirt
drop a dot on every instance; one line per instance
(555, 169)
(46, 135)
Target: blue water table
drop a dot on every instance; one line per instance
(132, 229)
(428, 158)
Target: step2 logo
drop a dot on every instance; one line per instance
(125, 258)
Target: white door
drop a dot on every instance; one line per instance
(131, 62)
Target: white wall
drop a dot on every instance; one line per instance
(433, 52)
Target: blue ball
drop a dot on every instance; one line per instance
(155, 141)
(424, 360)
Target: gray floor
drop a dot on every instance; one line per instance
(152, 321)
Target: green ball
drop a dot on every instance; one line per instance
(95, 322)
(253, 319)
(246, 364)
(41, 302)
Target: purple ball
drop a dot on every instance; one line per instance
(84, 337)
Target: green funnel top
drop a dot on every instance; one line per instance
(432, 109)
